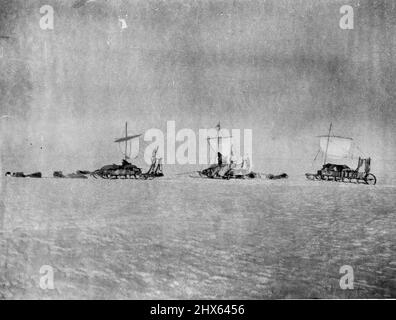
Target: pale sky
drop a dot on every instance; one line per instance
(283, 68)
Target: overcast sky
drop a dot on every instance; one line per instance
(283, 68)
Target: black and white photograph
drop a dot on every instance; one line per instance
(186, 150)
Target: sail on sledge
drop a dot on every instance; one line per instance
(127, 170)
(335, 147)
(226, 166)
(221, 144)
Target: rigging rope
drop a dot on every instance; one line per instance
(312, 164)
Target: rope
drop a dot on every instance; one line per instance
(312, 164)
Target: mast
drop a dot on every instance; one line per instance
(126, 136)
(218, 137)
(327, 146)
(125, 139)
